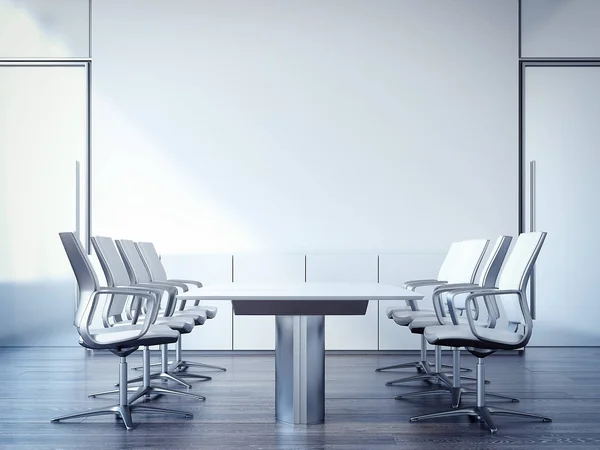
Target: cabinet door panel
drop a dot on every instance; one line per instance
(347, 332)
(258, 332)
(216, 333)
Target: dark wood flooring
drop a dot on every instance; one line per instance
(361, 413)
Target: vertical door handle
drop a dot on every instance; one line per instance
(532, 227)
(78, 199)
(77, 217)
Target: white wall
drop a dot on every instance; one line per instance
(44, 29)
(560, 28)
(305, 127)
(314, 127)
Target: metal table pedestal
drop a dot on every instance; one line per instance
(300, 370)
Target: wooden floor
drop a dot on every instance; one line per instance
(361, 413)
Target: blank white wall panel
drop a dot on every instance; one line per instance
(258, 332)
(338, 126)
(347, 332)
(397, 269)
(560, 28)
(216, 333)
(44, 29)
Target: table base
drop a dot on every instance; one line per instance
(300, 370)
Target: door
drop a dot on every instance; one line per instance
(43, 132)
(561, 137)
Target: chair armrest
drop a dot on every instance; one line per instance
(194, 282)
(455, 292)
(437, 299)
(135, 309)
(170, 289)
(490, 303)
(178, 284)
(152, 302)
(499, 292)
(412, 284)
(123, 290)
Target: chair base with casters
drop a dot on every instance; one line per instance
(480, 411)
(453, 387)
(427, 371)
(180, 365)
(423, 366)
(147, 390)
(168, 375)
(417, 326)
(124, 408)
(156, 273)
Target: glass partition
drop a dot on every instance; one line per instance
(43, 133)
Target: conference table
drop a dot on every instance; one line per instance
(300, 332)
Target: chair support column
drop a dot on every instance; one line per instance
(480, 382)
(123, 381)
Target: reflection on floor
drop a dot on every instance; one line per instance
(361, 413)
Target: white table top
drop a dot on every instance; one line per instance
(300, 291)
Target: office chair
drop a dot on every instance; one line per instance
(510, 330)
(488, 279)
(157, 272)
(465, 261)
(116, 275)
(423, 366)
(139, 274)
(122, 341)
(112, 317)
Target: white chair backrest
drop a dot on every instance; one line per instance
(115, 272)
(489, 272)
(448, 262)
(465, 261)
(152, 261)
(516, 272)
(133, 261)
(492, 267)
(87, 281)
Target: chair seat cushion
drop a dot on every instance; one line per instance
(461, 336)
(183, 324)
(419, 324)
(199, 317)
(390, 310)
(210, 311)
(156, 335)
(404, 317)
